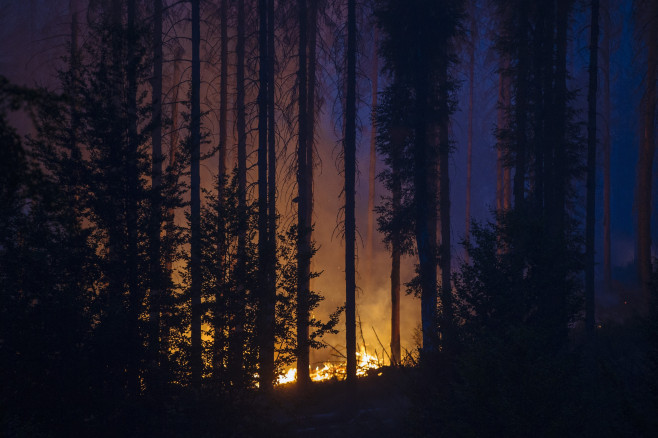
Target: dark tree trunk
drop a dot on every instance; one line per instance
(236, 343)
(444, 209)
(591, 169)
(350, 179)
(196, 364)
(396, 253)
(605, 68)
(173, 151)
(271, 157)
(425, 179)
(646, 159)
(74, 66)
(558, 204)
(303, 241)
(219, 314)
(170, 226)
(372, 169)
(132, 178)
(266, 310)
(156, 201)
(521, 109)
(469, 152)
(311, 59)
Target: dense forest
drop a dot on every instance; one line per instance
(328, 218)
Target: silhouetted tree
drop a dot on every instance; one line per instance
(591, 167)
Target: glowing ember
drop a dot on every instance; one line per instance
(335, 370)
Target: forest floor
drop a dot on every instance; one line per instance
(377, 407)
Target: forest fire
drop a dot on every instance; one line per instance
(335, 369)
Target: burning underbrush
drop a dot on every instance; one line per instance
(336, 370)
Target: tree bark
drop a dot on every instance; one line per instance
(605, 68)
(646, 159)
(425, 179)
(469, 152)
(303, 246)
(372, 169)
(311, 59)
(156, 201)
(271, 162)
(266, 310)
(350, 179)
(558, 206)
(196, 364)
(521, 110)
(447, 315)
(591, 170)
(395, 267)
(132, 177)
(219, 314)
(236, 344)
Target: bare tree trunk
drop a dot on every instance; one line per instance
(503, 171)
(520, 112)
(196, 364)
(132, 176)
(469, 153)
(591, 170)
(237, 326)
(507, 171)
(395, 269)
(74, 66)
(425, 185)
(170, 213)
(605, 66)
(310, 109)
(350, 179)
(372, 169)
(156, 201)
(646, 159)
(558, 208)
(303, 244)
(266, 310)
(173, 151)
(444, 209)
(219, 317)
(271, 157)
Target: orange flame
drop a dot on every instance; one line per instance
(335, 370)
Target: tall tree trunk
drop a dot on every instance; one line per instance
(444, 209)
(372, 169)
(605, 67)
(196, 364)
(220, 290)
(395, 267)
(266, 310)
(236, 343)
(558, 206)
(350, 179)
(173, 151)
(74, 64)
(132, 178)
(469, 152)
(271, 162)
(425, 185)
(591, 169)
(170, 213)
(521, 108)
(503, 171)
(303, 244)
(311, 59)
(156, 202)
(646, 159)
